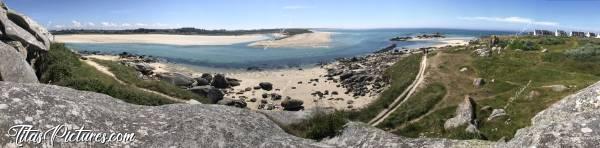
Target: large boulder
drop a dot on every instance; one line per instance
(144, 68)
(16, 32)
(177, 79)
(210, 92)
(292, 104)
(13, 66)
(266, 86)
(465, 113)
(220, 81)
(41, 33)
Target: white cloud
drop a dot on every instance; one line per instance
(125, 24)
(108, 24)
(91, 24)
(59, 26)
(141, 24)
(513, 19)
(76, 24)
(295, 7)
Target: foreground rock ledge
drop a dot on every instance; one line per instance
(571, 122)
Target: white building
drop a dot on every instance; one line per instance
(560, 33)
(591, 35)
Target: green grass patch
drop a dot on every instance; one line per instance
(320, 126)
(130, 76)
(62, 67)
(419, 104)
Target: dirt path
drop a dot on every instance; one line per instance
(107, 72)
(402, 97)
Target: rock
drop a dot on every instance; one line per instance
(478, 82)
(292, 105)
(248, 89)
(13, 67)
(17, 45)
(202, 82)
(497, 113)
(334, 93)
(234, 83)
(558, 88)
(177, 79)
(346, 75)
(286, 118)
(265, 95)
(182, 125)
(219, 81)
(232, 102)
(253, 100)
(18, 33)
(210, 92)
(266, 86)
(533, 94)
(206, 76)
(483, 52)
(472, 129)
(465, 113)
(37, 30)
(463, 69)
(145, 68)
(275, 96)
(486, 108)
(257, 87)
(350, 102)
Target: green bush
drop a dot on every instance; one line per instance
(587, 52)
(320, 126)
(525, 45)
(552, 41)
(62, 67)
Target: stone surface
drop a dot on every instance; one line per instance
(232, 102)
(15, 32)
(497, 113)
(478, 82)
(571, 122)
(465, 113)
(13, 66)
(177, 79)
(41, 33)
(210, 92)
(219, 81)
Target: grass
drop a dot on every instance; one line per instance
(417, 105)
(62, 67)
(401, 75)
(129, 75)
(511, 70)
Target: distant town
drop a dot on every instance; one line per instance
(563, 33)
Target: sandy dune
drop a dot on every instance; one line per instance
(159, 39)
(306, 40)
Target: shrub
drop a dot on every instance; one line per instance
(525, 45)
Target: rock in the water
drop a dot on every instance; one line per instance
(464, 115)
(266, 86)
(478, 82)
(232, 102)
(292, 104)
(177, 79)
(497, 113)
(219, 81)
(210, 92)
(13, 67)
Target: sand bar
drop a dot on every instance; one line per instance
(306, 40)
(159, 39)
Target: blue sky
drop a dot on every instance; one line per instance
(253, 14)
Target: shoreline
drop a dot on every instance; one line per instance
(183, 40)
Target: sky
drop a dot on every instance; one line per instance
(350, 14)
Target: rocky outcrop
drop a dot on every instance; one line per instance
(22, 42)
(13, 66)
(177, 79)
(465, 113)
(571, 122)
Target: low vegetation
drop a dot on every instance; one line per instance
(130, 76)
(570, 62)
(62, 67)
(417, 105)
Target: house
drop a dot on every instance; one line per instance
(591, 35)
(560, 33)
(577, 34)
(542, 33)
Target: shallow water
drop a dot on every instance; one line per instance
(345, 43)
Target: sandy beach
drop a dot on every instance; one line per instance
(306, 40)
(159, 39)
(453, 41)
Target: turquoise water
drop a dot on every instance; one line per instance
(345, 43)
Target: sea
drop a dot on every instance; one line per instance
(345, 43)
